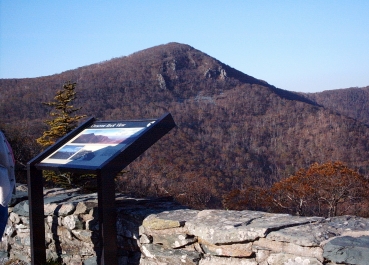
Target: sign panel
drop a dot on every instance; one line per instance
(98, 143)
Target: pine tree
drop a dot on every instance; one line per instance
(64, 121)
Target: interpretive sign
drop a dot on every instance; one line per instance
(103, 148)
(96, 144)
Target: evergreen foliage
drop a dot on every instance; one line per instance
(64, 122)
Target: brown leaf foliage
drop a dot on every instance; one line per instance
(328, 189)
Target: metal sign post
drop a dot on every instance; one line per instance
(103, 148)
(107, 218)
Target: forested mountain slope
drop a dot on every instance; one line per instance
(232, 129)
(352, 102)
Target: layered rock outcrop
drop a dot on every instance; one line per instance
(159, 231)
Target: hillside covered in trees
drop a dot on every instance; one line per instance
(351, 102)
(233, 130)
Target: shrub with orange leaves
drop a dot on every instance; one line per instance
(328, 189)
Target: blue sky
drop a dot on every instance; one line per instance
(304, 46)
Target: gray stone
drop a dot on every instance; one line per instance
(272, 222)
(51, 255)
(24, 220)
(288, 259)
(14, 218)
(348, 250)
(55, 192)
(289, 248)
(18, 197)
(3, 256)
(90, 261)
(226, 261)
(64, 233)
(307, 235)
(81, 208)
(66, 209)
(144, 239)
(219, 227)
(173, 238)
(347, 222)
(50, 209)
(83, 235)
(157, 254)
(232, 250)
(61, 197)
(22, 208)
(168, 219)
(72, 222)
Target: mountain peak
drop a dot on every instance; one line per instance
(232, 129)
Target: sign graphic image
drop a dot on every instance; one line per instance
(95, 145)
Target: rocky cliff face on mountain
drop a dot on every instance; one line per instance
(232, 129)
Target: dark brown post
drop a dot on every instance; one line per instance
(107, 218)
(36, 215)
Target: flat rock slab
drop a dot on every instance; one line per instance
(315, 234)
(225, 227)
(307, 235)
(288, 259)
(348, 250)
(212, 260)
(169, 219)
(158, 255)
